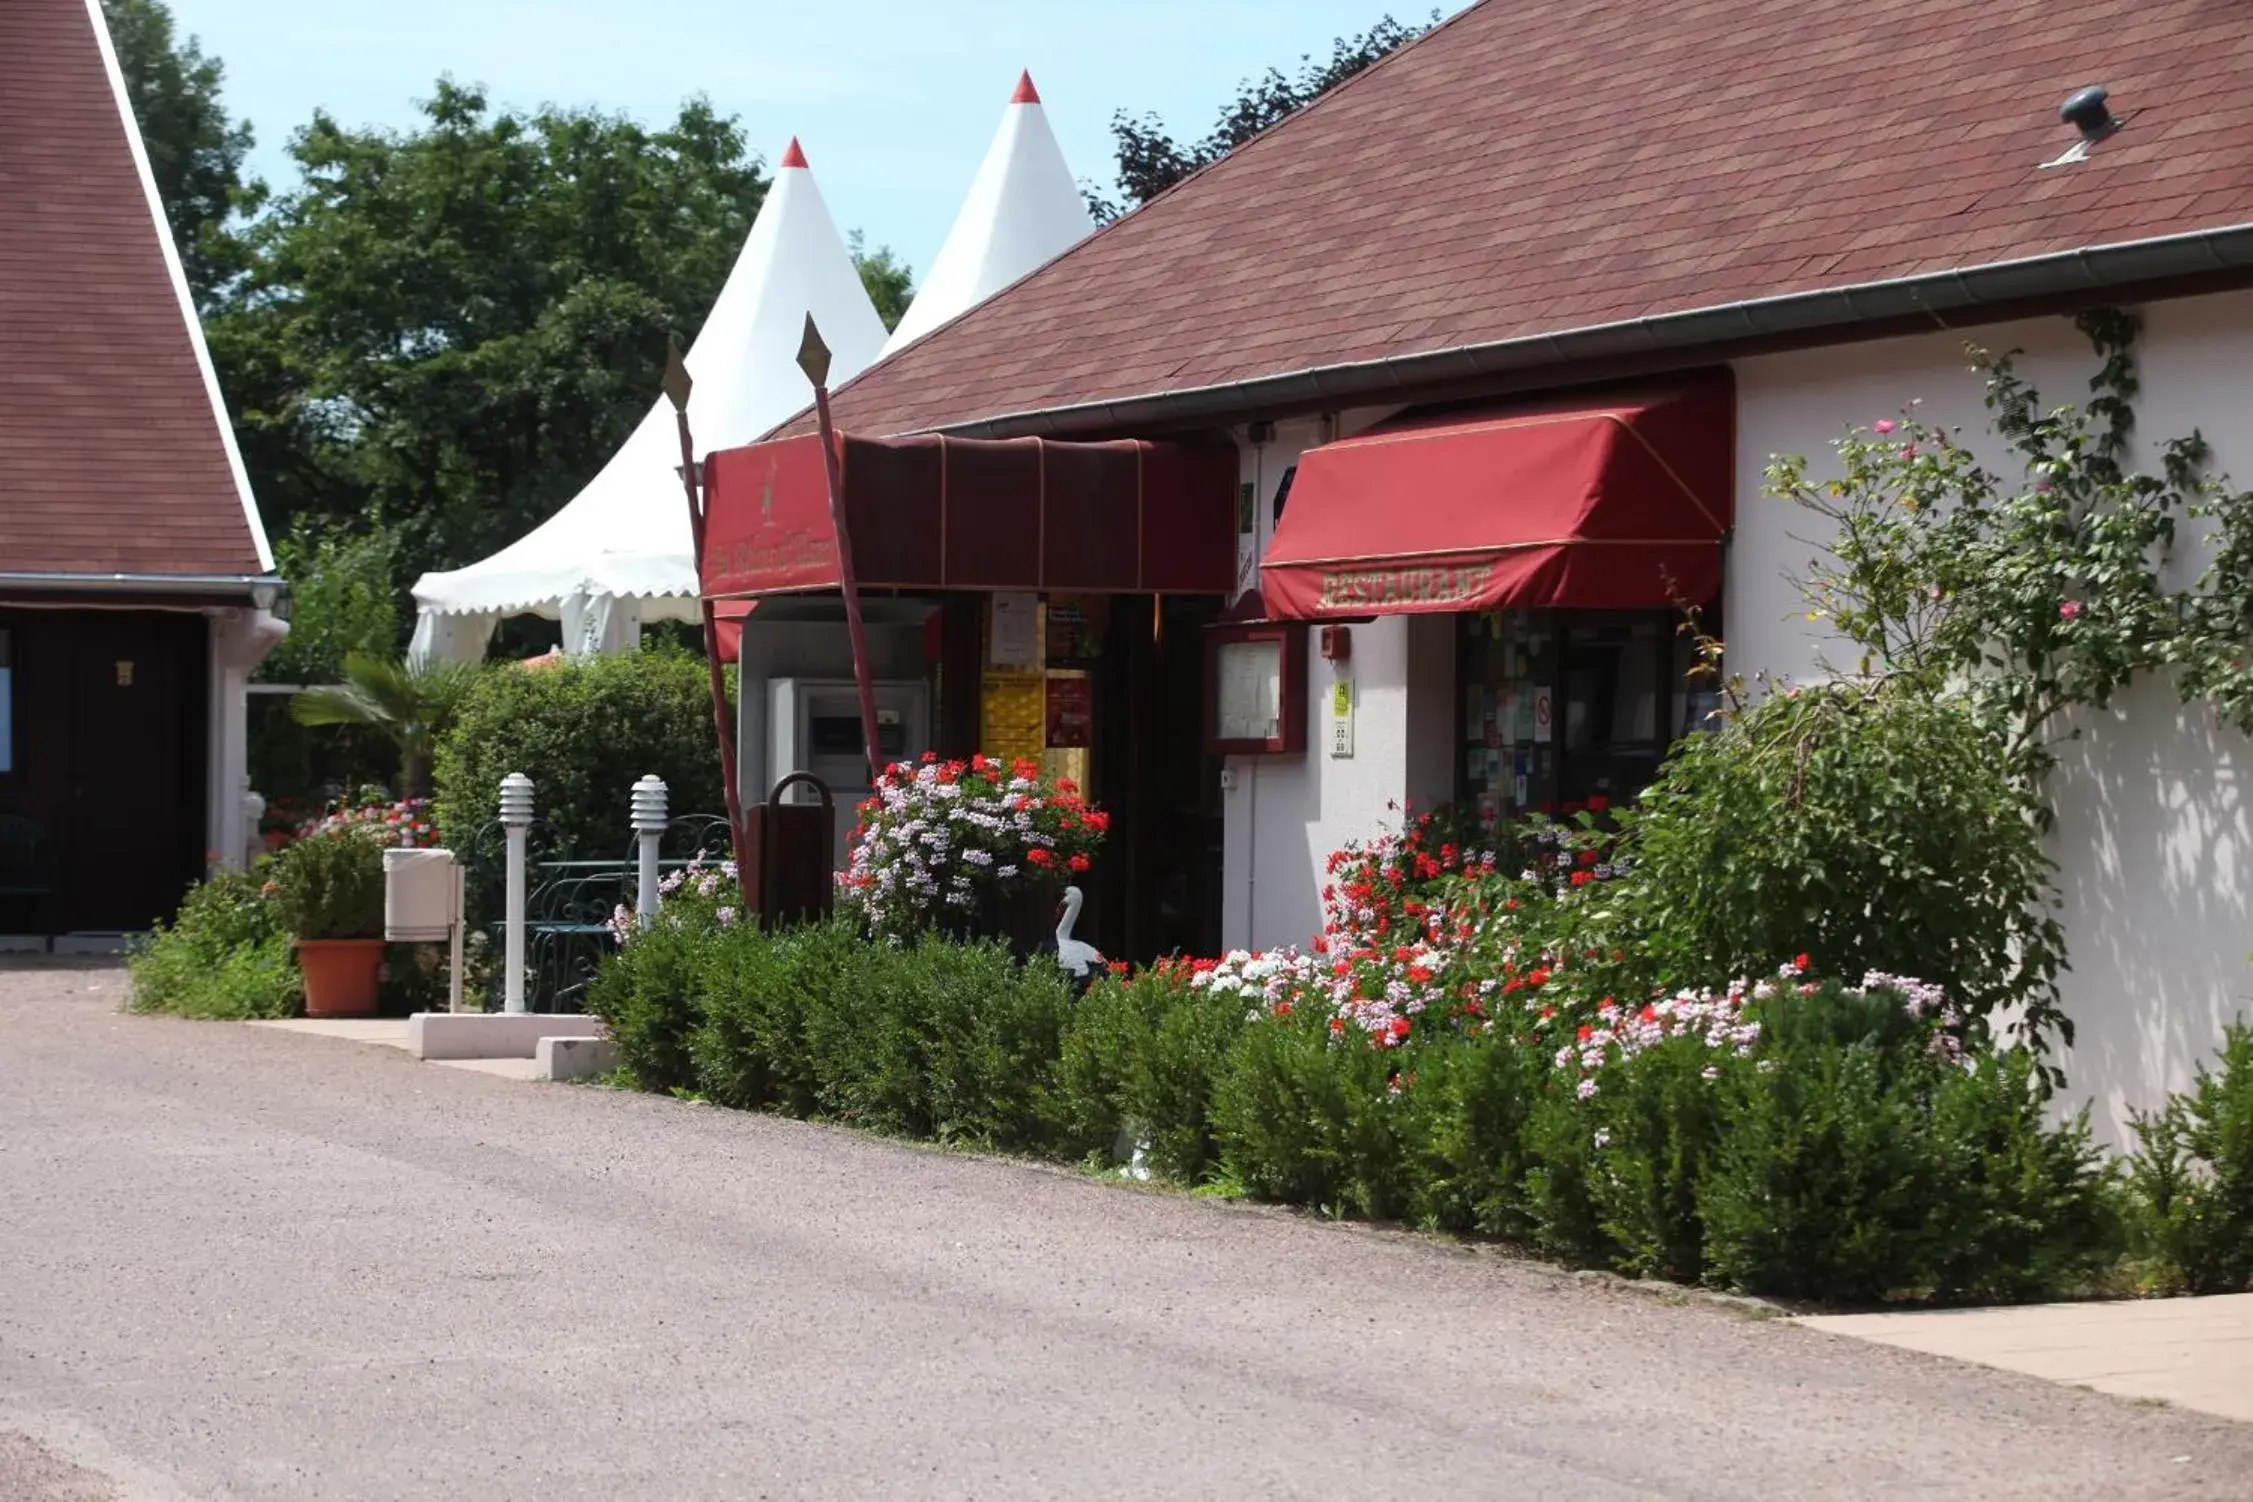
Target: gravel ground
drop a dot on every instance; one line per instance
(236, 1262)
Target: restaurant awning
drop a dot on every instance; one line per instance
(930, 513)
(1617, 502)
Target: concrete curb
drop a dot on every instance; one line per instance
(492, 1035)
(559, 1058)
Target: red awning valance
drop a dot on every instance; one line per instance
(1612, 503)
(928, 513)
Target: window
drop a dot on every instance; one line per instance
(1559, 707)
(7, 701)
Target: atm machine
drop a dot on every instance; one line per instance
(814, 725)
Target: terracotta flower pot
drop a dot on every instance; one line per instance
(340, 976)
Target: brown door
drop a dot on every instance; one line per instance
(110, 754)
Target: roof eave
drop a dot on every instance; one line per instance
(1933, 297)
(261, 590)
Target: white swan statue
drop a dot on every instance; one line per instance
(1077, 956)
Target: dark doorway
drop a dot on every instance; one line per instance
(109, 759)
(1159, 887)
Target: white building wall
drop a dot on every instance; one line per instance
(1283, 815)
(239, 641)
(2154, 842)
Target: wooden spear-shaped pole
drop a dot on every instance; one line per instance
(813, 359)
(677, 386)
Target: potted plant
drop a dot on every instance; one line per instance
(328, 890)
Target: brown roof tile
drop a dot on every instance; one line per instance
(112, 458)
(1538, 165)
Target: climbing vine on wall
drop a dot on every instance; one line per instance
(2034, 595)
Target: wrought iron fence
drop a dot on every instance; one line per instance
(570, 903)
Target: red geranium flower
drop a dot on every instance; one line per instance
(1078, 862)
(1040, 857)
(1801, 963)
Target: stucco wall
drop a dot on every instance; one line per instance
(2154, 840)
(1284, 815)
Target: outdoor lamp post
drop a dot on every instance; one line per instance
(516, 823)
(649, 828)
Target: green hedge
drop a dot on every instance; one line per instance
(1845, 1159)
(584, 730)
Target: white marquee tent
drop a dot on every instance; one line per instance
(619, 553)
(1024, 210)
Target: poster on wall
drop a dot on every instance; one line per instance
(1071, 713)
(1016, 631)
(1073, 641)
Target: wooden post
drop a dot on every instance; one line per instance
(677, 387)
(813, 359)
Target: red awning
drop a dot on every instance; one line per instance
(1611, 503)
(929, 513)
(728, 617)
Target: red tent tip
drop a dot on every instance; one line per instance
(1026, 93)
(795, 156)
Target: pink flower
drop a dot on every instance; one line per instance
(2070, 609)
(1883, 426)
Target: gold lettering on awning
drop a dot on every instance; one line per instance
(1376, 588)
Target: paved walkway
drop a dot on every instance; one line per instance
(391, 1032)
(245, 1263)
(2195, 1352)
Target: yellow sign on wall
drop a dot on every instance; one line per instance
(1013, 716)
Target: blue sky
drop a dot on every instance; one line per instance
(895, 100)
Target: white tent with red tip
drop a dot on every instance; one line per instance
(1024, 210)
(619, 552)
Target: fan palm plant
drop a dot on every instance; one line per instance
(411, 706)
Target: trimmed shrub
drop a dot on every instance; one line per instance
(1867, 826)
(1468, 1117)
(584, 731)
(1857, 1161)
(1143, 1054)
(2193, 1177)
(225, 956)
(939, 1039)
(1305, 1119)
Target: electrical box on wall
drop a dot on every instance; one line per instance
(815, 726)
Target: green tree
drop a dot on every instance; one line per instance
(1151, 160)
(889, 280)
(454, 327)
(344, 597)
(195, 151)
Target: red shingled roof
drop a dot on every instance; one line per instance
(112, 456)
(1542, 165)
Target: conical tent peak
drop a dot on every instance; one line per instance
(795, 156)
(1026, 93)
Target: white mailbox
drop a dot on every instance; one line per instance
(418, 896)
(422, 904)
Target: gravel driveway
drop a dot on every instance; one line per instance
(236, 1262)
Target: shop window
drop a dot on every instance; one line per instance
(1560, 707)
(7, 702)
